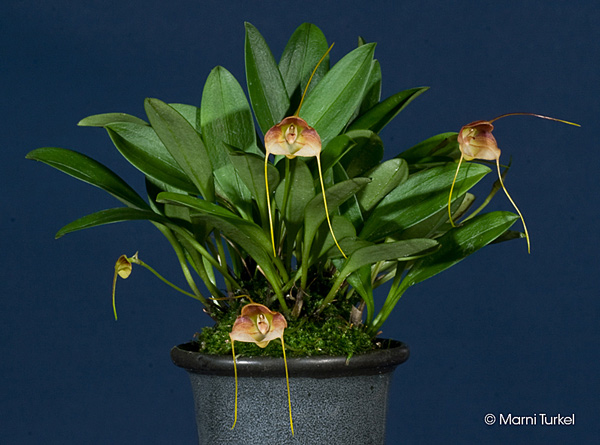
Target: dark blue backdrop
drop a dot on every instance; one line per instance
(503, 332)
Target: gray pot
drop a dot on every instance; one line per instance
(333, 401)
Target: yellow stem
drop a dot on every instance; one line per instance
(287, 381)
(514, 205)
(310, 78)
(451, 190)
(269, 203)
(326, 210)
(236, 384)
(113, 294)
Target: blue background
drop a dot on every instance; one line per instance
(503, 332)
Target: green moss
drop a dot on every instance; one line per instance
(329, 335)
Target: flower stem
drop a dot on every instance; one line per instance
(136, 260)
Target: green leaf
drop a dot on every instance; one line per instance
(110, 216)
(382, 113)
(398, 250)
(227, 120)
(335, 150)
(267, 91)
(372, 93)
(350, 208)
(384, 178)
(102, 120)
(438, 222)
(191, 114)
(333, 101)
(170, 211)
(456, 244)
(357, 151)
(225, 114)
(184, 143)
(459, 243)
(300, 56)
(422, 195)
(314, 214)
(442, 147)
(140, 145)
(365, 155)
(301, 189)
(324, 245)
(246, 234)
(88, 170)
(360, 280)
(251, 169)
(372, 90)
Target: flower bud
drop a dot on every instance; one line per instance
(123, 267)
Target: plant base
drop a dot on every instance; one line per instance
(332, 402)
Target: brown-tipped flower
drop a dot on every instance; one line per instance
(258, 324)
(293, 137)
(476, 141)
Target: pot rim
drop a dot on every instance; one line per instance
(381, 361)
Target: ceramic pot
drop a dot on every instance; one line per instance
(334, 401)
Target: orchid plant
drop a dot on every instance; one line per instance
(299, 244)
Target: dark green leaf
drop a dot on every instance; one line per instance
(365, 155)
(372, 90)
(459, 243)
(333, 101)
(360, 280)
(350, 208)
(88, 170)
(422, 195)
(314, 214)
(384, 178)
(371, 254)
(110, 216)
(140, 145)
(170, 211)
(251, 169)
(184, 143)
(102, 120)
(267, 91)
(442, 147)
(300, 56)
(324, 244)
(335, 151)
(227, 120)
(225, 114)
(246, 234)
(191, 114)
(438, 222)
(381, 114)
(398, 250)
(300, 190)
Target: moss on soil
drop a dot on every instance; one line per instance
(329, 335)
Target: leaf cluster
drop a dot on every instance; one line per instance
(203, 167)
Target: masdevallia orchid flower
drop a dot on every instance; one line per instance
(258, 324)
(294, 137)
(123, 269)
(476, 141)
